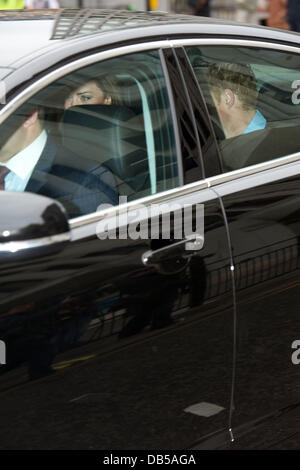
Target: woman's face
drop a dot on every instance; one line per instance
(89, 93)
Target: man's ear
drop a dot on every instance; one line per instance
(31, 120)
(229, 97)
(107, 100)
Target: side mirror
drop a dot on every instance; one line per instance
(31, 226)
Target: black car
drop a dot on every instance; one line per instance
(111, 339)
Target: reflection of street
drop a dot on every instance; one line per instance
(268, 384)
(101, 406)
(246, 11)
(117, 350)
(142, 299)
(98, 401)
(36, 332)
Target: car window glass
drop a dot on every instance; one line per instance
(253, 98)
(99, 133)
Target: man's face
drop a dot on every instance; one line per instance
(13, 140)
(12, 144)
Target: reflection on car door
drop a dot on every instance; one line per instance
(123, 355)
(106, 351)
(262, 211)
(264, 222)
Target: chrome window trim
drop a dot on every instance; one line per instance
(159, 198)
(233, 42)
(182, 191)
(253, 169)
(123, 50)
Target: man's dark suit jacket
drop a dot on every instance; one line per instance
(80, 184)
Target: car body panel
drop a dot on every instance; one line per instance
(151, 343)
(262, 212)
(104, 351)
(264, 229)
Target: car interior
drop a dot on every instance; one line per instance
(281, 135)
(133, 140)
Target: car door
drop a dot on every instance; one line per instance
(259, 191)
(122, 341)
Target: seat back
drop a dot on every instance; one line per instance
(112, 136)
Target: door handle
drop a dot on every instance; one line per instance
(183, 248)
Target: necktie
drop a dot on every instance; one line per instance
(3, 172)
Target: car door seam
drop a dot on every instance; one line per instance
(234, 346)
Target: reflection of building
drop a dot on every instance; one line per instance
(262, 11)
(164, 5)
(246, 11)
(223, 9)
(249, 11)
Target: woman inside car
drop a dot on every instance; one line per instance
(102, 90)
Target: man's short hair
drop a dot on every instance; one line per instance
(238, 77)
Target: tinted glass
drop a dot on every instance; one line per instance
(253, 97)
(99, 133)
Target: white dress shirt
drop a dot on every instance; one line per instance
(22, 164)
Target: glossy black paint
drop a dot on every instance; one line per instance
(30, 226)
(113, 353)
(264, 226)
(104, 352)
(116, 351)
(28, 216)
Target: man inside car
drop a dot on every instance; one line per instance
(234, 91)
(31, 160)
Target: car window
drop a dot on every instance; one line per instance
(253, 98)
(100, 133)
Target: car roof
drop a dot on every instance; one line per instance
(28, 32)
(32, 41)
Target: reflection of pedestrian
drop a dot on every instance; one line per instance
(293, 15)
(277, 10)
(200, 7)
